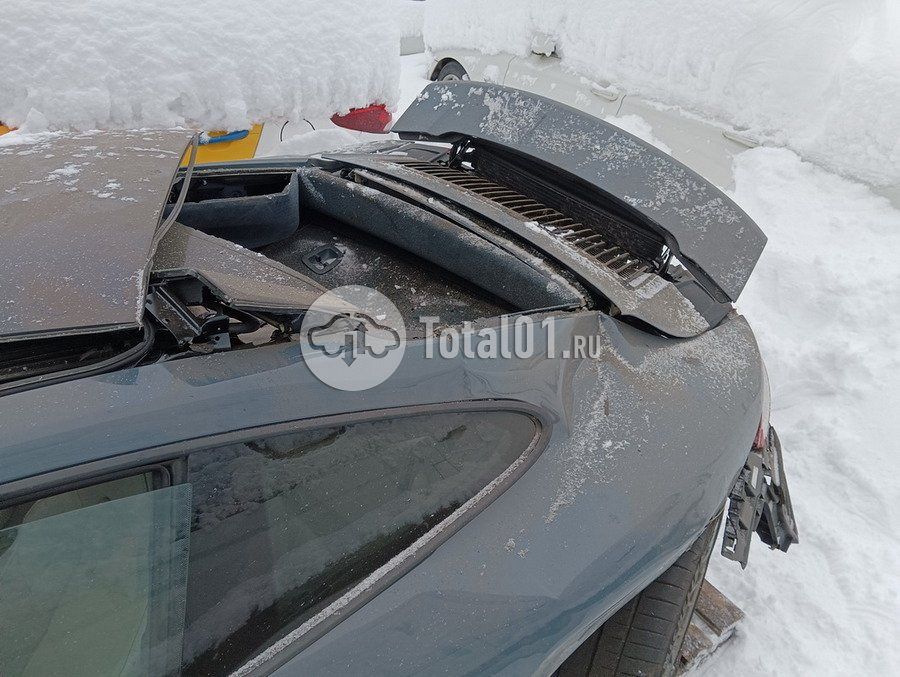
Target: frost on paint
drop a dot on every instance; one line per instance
(107, 64)
(820, 77)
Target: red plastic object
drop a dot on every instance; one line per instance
(374, 119)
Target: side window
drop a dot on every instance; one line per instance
(136, 576)
(281, 526)
(92, 581)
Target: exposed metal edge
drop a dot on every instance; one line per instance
(182, 195)
(166, 223)
(58, 333)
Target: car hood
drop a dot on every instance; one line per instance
(705, 229)
(80, 219)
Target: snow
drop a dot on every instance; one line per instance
(315, 141)
(409, 16)
(639, 127)
(413, 78)
(823, 304)
(817, 76)
(109, 64)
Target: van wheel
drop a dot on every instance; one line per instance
(644, 637)
(451, 71)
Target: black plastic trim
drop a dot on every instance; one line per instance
(125, 359)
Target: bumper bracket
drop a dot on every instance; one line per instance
(760, 502)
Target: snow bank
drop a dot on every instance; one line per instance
(823, 305)
(213, 64)
(817, 76)
(409, 15)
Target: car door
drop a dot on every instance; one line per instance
(542, 74)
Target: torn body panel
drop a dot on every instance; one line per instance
(760, 502)
(81, 216)
(242, 278)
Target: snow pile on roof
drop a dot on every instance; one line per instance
(820, 77)
(211, 64)
(409, 16)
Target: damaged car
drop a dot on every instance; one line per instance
(181, 494)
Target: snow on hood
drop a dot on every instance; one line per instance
(818, 76)
(211, 64)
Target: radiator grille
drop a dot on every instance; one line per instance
(587, 239)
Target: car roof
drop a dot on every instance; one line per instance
(709, 233)
(80, 221)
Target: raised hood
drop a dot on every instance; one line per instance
(79, 221)
(708, 233)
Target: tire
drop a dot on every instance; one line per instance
(644, 637)
(452, 70)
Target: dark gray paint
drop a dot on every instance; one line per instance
(78, 221)
(242, 278)
(628, 480)
(629, 477)
(712, 234)
(521, 282)
(250, 221)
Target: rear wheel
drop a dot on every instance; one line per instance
(451, 71)
(644, 637)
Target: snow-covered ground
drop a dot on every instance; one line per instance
(824, 303)
(818, 76)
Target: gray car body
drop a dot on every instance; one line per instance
(640, 444)
(643, 444)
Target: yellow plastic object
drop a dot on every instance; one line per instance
(226, 151)
(4, 129)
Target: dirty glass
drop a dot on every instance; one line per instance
(282, 526)
(92, 581)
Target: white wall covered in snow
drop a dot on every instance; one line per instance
(818, 76)
(212, 64)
